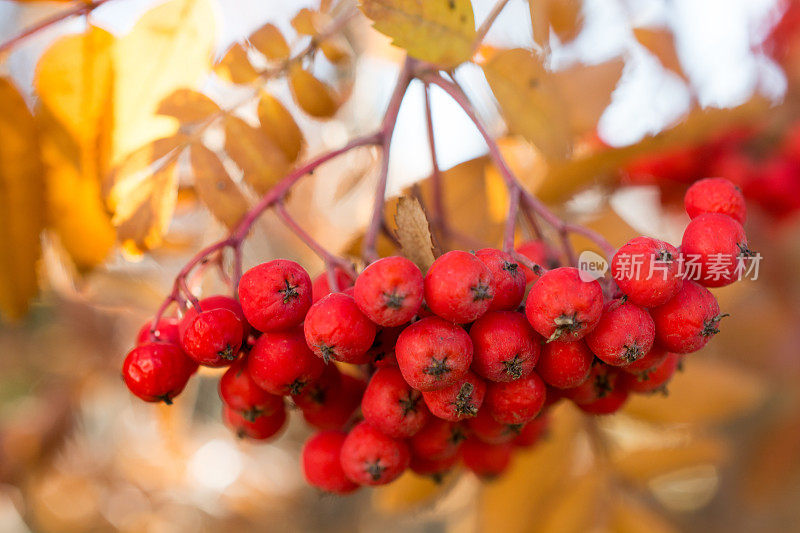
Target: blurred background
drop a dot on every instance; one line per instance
(685, 89)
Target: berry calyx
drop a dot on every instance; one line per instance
(390, 291)
(212, 337)
(392, 406)
(281, 363)
(624, 334)
(322, 467)
(565, 365)
(508, 279)
(336, 329)
(157, 371)
(505, 346)
(433, 353)
(275, 295)
(339, 405)
(261, 428)
(647, 271)
(368, 457)
(485, 428)
(458, 287)
(460, 400)
(687, 322)
(715, 195)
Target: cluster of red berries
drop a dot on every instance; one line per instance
(409, 370)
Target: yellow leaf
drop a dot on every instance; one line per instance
(529, 100)
(235, 67)
(21, 203)
(262, 163)
(269, 40)
(215, 187)
(661, 43)
(279, 126)
(564, 17)
(407, 492)
(437, 31)
(304, 22)
(336, 49)
(168, 48)
(312, 95)
(126, 176)
(576, 507)
(413, 232)
(188, 105)
(645, 464)
(631, 516)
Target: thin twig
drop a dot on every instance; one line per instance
(484, 28)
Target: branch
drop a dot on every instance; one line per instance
(484, 28)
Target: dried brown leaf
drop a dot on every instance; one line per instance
(413, 232)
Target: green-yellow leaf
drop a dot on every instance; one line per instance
(438, 31)
(262, 162)
(188, 105)
(269, 40)
(215, 188)
(21, 203)
(279, 125)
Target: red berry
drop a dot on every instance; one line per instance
(649, 361)
(460, 400)
(508, 280)
(281, 363)
(433, 353)
(166, 331)
(540, 254)
(321, 287)
(564, 365)
(505, 346)
(486, 460)
(275, 295)
(157, 371)
(425, 466)
(624, 334)
(320, 391)
(601, 382)
(515, 402)
(239, 392)
(213, 337)
(688, 321)
(714, 248)
(647, 271)
(561, 306)
(715, 195)
(458, 287)
(220, 301)
(654, 379)
(608, 404)
(261, 428)
(389, 291)
(371, 458)
(485, 428)
(321, 465)
(532, 431)
(381, 353)
(438, 439)
(336, 329)
(338, 406)
(392, 406)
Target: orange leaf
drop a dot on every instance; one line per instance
(261, 161)
(661, 43)
(279, 125)
(563, 17)
(269, 40)
(188, 105)
(312, 95)
(215, 187)
(235, 66)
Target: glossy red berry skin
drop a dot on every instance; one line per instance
(647, 271)
(532, 432)
(239, 392)
(608, 404)
(601, 382)
(220, 301)
(561, 306)
(649, 361)
(321, 465)
(425, 466)
(369, 457)
(433, 353)
(389, 291)
(508, 279)
(688, 321)
(654, 379)
(167, 331)
(458, 287)
(486, 429)
(157, 371)
(505, 346)
(392, 406)
(262, 428)
(321, 390)
(281, 363)
(438, 439)
(213, 337)
(459, 401)
(715, 195)
(339, 406)
(717, 244)
(515, 402)
(320, 287)
(565, 365)
(275, 295)
(539, 253)
(624, 334)
(381, 353)
(336, 329)
(486, 460)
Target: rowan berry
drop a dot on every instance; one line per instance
(717, 245)
(715, 195)
(433, 353)
(321, 287)
(608, 404)
(392, 406)
(505, 346)
(532, 432)
(381, 353)
(389, 291)
(320, 391)
(601, 382)
(649, 361)
(157, 371)
(425, 466)
(458, 401)
(508, 280)
(561, 306)
(338, 406)
(322, 467)
(654, 379)
(336, 329)
(624, 334)
(647, 271)
(438, 439)
(458, 287)
(485, 428)
(166, 331)
(540, 254)
(281, 363)
(486, 460)
(262, 428)
(369, 457)
(688, 321)
(239, 392)
(212, 337)
(221, 301)
(564, 365)
(515, 402)
(275, 295)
